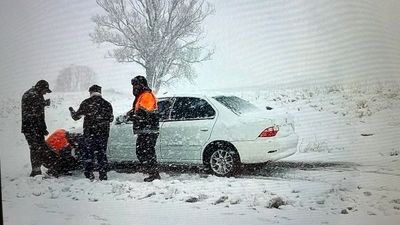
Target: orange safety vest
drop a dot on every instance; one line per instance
(58, 140)
(147, 101)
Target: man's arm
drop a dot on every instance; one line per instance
(110, 113)
(40, 104)
(129, 115)
(76, 115)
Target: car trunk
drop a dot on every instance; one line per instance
(260, 120)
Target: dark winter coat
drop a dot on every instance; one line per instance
(32, 110)
(98, 115)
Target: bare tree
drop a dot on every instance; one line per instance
(75, 78)
(163, 36)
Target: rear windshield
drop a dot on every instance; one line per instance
(236, 104)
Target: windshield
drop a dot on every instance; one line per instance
(236, 104)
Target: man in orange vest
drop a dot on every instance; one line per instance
(146, 125)
(66, 146)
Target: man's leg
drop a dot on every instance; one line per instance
(35, 154)
(88, 157)
(151, 158)
(102, 157)
(66, 162)
(141, 150)
(51, 160)
(151, 153)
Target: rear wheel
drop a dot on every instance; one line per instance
(224, 162)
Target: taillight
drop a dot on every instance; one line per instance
(269, 132)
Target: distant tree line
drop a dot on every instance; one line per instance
(75, 78)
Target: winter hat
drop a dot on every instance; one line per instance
(43, 85)
(141, 80)
(95, 88)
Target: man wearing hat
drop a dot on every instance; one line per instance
(34, 125)
(98, 114)
(146, 125)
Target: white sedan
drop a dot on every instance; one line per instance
(219, 132)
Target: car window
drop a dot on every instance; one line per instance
(186, 108)
(164, 108)
(236, 104)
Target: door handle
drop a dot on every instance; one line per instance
(204, 129)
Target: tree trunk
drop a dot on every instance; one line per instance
(157, 86)
(150, 76)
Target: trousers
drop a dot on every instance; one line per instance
(95, 147)
(146, 152)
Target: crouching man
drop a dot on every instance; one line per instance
(67, 147)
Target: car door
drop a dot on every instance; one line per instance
(187, 129)
(122, 142)
(122, 145)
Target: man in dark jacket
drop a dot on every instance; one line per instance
(98, 115)
(146, 125)
(34, 126)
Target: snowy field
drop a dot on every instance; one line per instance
(347, 170)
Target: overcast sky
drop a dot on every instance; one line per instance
(258, 42)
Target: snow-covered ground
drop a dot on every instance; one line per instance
(347, 170)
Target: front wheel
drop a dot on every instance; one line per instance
(224, 162)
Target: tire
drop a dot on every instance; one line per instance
(223, 162)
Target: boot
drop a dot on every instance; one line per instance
(66, 173)
(89, 175)
(154, 176)
(35, 173)
(53, 173)
(102, 176)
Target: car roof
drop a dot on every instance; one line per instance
(184, 95)
(195, 95)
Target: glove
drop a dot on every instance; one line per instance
(71, 109)
(47, 102)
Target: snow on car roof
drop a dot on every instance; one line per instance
(170, 95)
